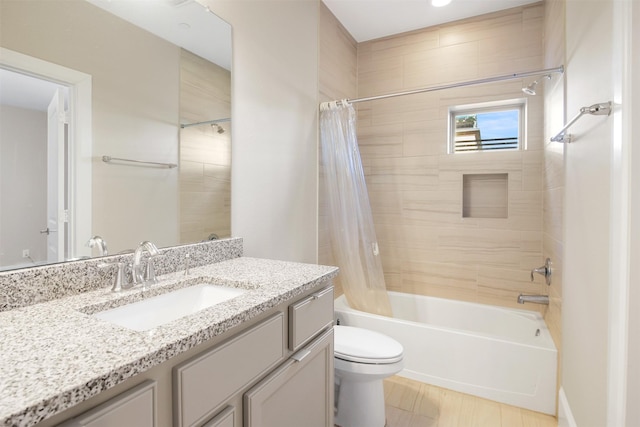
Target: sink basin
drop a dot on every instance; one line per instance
(162, 309)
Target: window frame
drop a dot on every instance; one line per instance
(519, 104)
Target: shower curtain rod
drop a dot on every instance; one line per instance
(209, 122)
(459, 84)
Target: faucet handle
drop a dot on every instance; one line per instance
(545, 271)
(187, 259)
(119, 280)
(150, 271)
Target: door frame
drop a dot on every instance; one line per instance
(56, 177)
(79, 140)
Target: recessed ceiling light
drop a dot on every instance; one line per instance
(184, 26)
(440, 3)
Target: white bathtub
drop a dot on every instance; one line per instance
(502, 354)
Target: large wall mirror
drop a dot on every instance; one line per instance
(115, 126)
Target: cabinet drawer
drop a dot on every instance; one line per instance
(136, 407)
(204, 383)
(309, 316)
(225, 418)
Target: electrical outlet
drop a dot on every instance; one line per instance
(25, 253)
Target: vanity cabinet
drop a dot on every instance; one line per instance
(136, 407)
(280, 372)
(274, 370)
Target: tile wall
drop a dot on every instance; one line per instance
(553, 187)
(337, 76)
(416, 187)
(205, 154)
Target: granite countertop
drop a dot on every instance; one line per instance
(55, 355)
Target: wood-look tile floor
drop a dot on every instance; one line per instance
(414, 404)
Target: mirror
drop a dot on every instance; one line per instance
(144, 89)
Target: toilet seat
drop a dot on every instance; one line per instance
(365, 346)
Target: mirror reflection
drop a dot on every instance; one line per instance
(143, 85)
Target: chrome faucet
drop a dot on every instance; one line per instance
(149, 275)
(120, 279)
(545, 271)
(536, 299)
(100, 242)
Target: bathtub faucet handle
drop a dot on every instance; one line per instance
(545, 271)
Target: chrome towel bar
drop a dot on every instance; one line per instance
(109, 159)
(601, 109)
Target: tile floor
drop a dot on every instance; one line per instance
(414, 404)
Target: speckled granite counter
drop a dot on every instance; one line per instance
(54, 355)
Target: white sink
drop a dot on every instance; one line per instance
(161, 309)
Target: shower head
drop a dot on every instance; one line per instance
(217, 127)
(531, 89)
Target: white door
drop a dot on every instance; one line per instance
(55, 179)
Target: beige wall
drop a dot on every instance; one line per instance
(596, 257)
(553, 184)
(633, 375)
(415, 187)
(205, 154)
(274, 182)
(134, 108)
(338, 67)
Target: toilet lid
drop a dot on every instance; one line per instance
(365, 346)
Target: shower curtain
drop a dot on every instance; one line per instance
(352, 234)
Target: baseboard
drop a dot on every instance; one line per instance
(565, 417)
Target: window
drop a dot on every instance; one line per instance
(487, 127)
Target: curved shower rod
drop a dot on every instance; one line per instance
(513, 76)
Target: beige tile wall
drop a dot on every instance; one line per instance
(338, 65)
(205, 155)
(553, 184)
(415, 187)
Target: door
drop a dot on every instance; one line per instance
(55, 178)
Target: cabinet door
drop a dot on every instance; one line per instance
(203, 384)
(299, 393)
(136, 407)
(226, 418)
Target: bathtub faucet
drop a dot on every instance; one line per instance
(536, 299)
(545, 271)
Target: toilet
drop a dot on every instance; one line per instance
(362, 359)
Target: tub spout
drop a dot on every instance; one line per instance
(536, 299)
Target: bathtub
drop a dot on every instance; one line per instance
(496, 353)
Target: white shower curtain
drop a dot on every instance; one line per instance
(352, 234)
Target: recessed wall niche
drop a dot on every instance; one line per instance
(485, 195)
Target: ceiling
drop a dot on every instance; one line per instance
(373, 19)
(189, 24)
(185, 23)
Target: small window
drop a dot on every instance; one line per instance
(487, 127)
